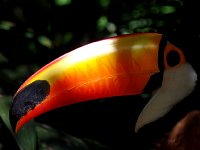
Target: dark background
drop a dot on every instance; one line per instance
(35, 32)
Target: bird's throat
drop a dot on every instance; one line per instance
(178, 82)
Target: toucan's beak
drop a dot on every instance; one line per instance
(124, 65)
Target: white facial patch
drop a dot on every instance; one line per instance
(178, 82)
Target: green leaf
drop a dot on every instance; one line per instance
(50, 138)
(104, 3)
(26, 137)
(168, 9)
(67, 37)
(54, 139)
(5, 103)
(102, 23)
(29, 34)
(62, 2)
(45, 41)
(6, 25)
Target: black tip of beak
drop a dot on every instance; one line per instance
(27, 99)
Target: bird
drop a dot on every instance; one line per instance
(130, 64)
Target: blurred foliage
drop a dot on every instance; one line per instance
(28, 132)
(35, 32)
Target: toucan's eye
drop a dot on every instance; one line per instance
(173, 58)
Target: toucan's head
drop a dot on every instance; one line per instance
(122, 65)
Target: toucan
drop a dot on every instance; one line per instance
(130, 64)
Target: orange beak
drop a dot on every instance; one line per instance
(112, 67)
